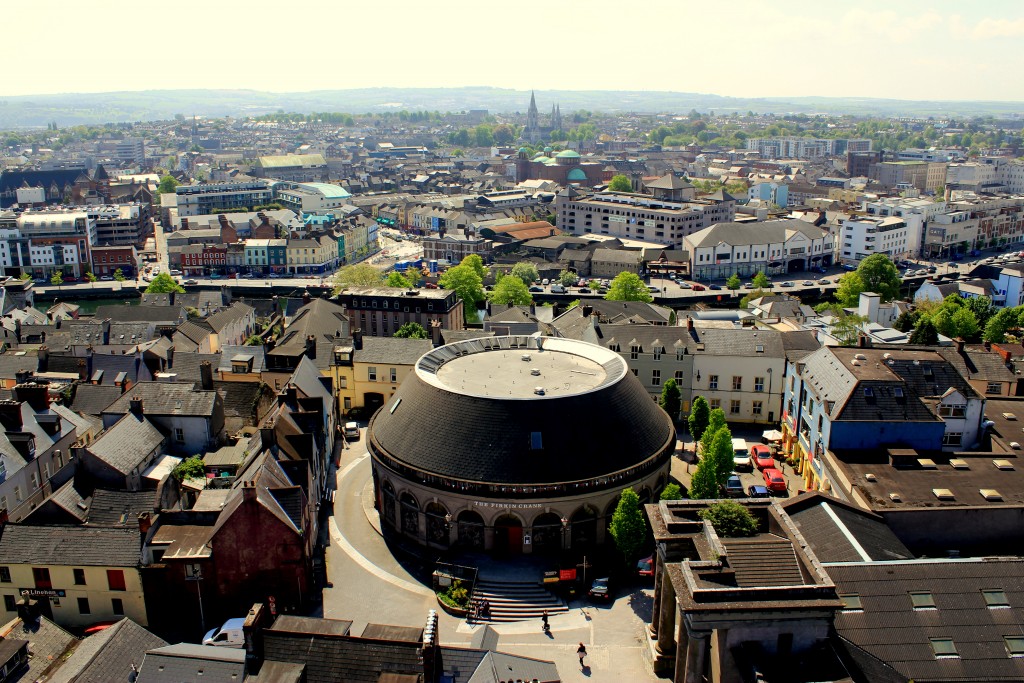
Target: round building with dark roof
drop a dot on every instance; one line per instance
(516, 444)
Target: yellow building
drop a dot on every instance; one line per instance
(80, 575)
(379, 366)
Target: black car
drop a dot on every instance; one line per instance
(584, 290)
(758, 491)
(536, 289)
(601, 589)
(715, 287)
(190, 282)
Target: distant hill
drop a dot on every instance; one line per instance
(147, 105)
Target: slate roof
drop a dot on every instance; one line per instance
(890, 629)
(259, 360)
(391, 350)
(193, 330)
(103, 657)
(767, 232)
(70, 546)
(221, 319)
(167, 398)
(170, 315)
(126, 444)
(839, 532)
(47, 643)
(977, 363)
(185, 663)
(93, 399)
(321, 318)
(111, 507)
(11, 364)
(186, 365)
(114, 364)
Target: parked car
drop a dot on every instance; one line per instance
(645, 567)
(584, 290)
(699, 288)
(430, 285)
(175, 272)
(824, 281)
(652, 288)
(715, 287)
(807, 283)
(535, 288)
(190, 281)
(741, 460)
(757, 491)
(734, 487)
(215, 276)
(762, 456)
(105, 278)
(351, 431)
(685, 285)
(774, 480)
(932, 269)
(786, 284)
(748, 285)
(228, 635)
(601, 589)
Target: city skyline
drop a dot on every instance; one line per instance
(911, 51)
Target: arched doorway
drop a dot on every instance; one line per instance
(644, 494)
(372, 401)
(547, 533)
(470, 530)
(410, 514)
(797, 265)
(584, 527)
(437, 526)
(388, 504)
(508, 535)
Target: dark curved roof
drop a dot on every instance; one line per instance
(484, 439)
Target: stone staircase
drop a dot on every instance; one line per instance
(517, 601)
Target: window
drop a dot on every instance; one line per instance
(17, 494)
(5, 574)
(117, 605)
(922, 600)
(83, 606)
(737, 384)
(995, 598)
(394, 375)
(952, 411)
(348, 402)
(734, 407)
(1014, 645)
(371, 374)
(179, 434)
(79, 576)
(34, 480)
(759, 384)
(758, 406)
(115, 579)
(851, 601)
(679, 376)
(994, 388)
(41, 576)
(634, 352)
(636, 373)
(714, 403)
(943, 647)
(656, 377)
(10, 604)
(713, 382)
(952, 438)
(657, 354)
(680, 353)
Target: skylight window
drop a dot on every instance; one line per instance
(851, 601)
(995, 598)
(536, 441)
(944, 647)
(922, 600)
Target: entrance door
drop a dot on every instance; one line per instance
(372, 401)
(508, 535)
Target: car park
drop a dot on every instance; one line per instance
(774, 480)
(601, 589)
(734, 487)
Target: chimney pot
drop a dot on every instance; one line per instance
(135, 406)
(206, 375)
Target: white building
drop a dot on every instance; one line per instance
(863, 236)
(783, 246)
(314, 198)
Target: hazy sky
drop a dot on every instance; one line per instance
(893, 49)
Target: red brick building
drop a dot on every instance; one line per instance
(201, 259)
(106, 260)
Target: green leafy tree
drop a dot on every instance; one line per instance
(254, 340)
(568, 278)
(628, 527)
(734, 282)
(396, 279)
(761, 281)
(467, 285)
(1000, 324)
(671, 492)
(628, 287)
(503, 134)
(730, 519)
(411, 331)
(57, 279)
(721, 455)
(90, 276)
(119, 275)
(26, 276)
(511, 290)
(167, 185)
(527, 272)
(620, 183)
(477, 264)
(849, 289)
(875, 274)
(671, 398)
(704, 482)
(189, 468)
(906, 321)
(700, 415)
(716, 420)
(752, 296)
(359, 275)
(164, 284)
(982, 308)
(925, 333)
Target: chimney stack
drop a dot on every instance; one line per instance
(689, 323)
(311, 347)
(248, 490)
(145, 522)
(206, 375)
(431, 650)
(43, 359)
(10, 416)
(587, 310)
(959, 344)
(435, 332)
(83, 369)
(357, 339)
(306, 298)
(35, 394)
(135, 406)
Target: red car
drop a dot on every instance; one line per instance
(774, 480)
(699, 288)
(762, 456)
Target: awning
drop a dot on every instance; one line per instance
(772, 435)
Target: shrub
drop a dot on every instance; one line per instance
(730, 519)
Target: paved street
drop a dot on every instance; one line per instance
(370, 585)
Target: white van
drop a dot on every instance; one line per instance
(741, 459)
(228, 635)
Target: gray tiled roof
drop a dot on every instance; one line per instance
(11, 364)
(93, 399)
(186, 662)
(186, 365)
(137, 314)
(47, 642)
(221, 319)
(831, 528)
(391, 350)
(108, 655)
(767, 232)
(126, 444)
(70, 546)
(167, 398)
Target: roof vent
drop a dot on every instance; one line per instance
(1009, 416)
(895, 497)
(870, 477)
(943, 494)
(887, 355)
(926, 463)
(855, 362)
(990, 494)
(535, 372)
(1003, 464)
(526, 357)
(1015, 445)
(539, 391)
(860, 356)
(959, 464)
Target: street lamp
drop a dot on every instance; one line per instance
(565, 528)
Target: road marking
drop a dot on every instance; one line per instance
(363, 562)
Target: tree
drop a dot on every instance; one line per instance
(752, 296)
(189, 468)
(722, 455)
(396, 279)
(628, 527)
(57, 279)
(906, 321)
(167, 185)
(761, 281)
(1001, 323)
(467, 285)
(477, 264)
(875, 274)
(164, 284)
(119, 275)
(671, 492)
(527, 272)
(734, 282)
(700, 414)
(671, 398)
(411, 331)
(503, 134)
(90, 276)
(359, 274)
(982, 308)
(254, 340)
(925, 333)
(849, 288)
(568, 278)
(716, 420)
(26, 276)
(510, 290)
(628, 287)
(620, 183)
(730, 519)
(704, 482)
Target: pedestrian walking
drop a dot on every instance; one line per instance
(544, 618)
(581, 652)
